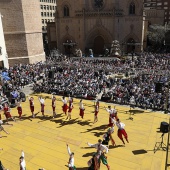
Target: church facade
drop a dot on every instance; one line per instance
(94, 24)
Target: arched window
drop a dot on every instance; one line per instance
(66, 11)
(132, 8)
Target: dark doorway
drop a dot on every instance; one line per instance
(130, 45)
(98, 45)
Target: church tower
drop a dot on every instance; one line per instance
(22, 30)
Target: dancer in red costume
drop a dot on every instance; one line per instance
(42, 103)
(31, 101)
(112, 114)
(64, 107)
(54, 105)
(81, 107)
(19, 108)
(7, 112)
(96, 111)
(70, 107)
(121, 130)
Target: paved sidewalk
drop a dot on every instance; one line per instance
(44, 139)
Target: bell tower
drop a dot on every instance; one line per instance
(22, 31)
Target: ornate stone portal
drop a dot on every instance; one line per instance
(115, 49)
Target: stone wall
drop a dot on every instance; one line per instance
(111, 22)
(22, 29)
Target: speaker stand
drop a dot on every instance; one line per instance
(160, 145)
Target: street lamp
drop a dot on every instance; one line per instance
(69, 44)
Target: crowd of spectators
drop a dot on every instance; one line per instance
(89, 77)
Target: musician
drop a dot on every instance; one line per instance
(54, 105)
(42, 101)
(70, 107)
(64, 107)
(31, 101)
(81, 107)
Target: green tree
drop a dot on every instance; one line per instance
(156, 35)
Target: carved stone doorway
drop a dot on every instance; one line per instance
(98, 45)
(130, 45)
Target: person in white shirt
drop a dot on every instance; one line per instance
(121, 130)
(42, 102)
(64, 107)
(71, 159)
(70, 107)
(100, 152)
(31, 101)
(81, 107)
(96, 111)
(112, 114)
(22, 161)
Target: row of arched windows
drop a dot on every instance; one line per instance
(66, 11)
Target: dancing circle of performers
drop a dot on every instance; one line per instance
(102, 147)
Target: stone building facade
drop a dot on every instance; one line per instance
(94, 24)
(3, 53)
(155, 16)
(48, 9)
(159, 5)
(22, 30)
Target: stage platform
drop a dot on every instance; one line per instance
(44, 139)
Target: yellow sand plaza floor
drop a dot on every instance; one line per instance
(44, 139)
